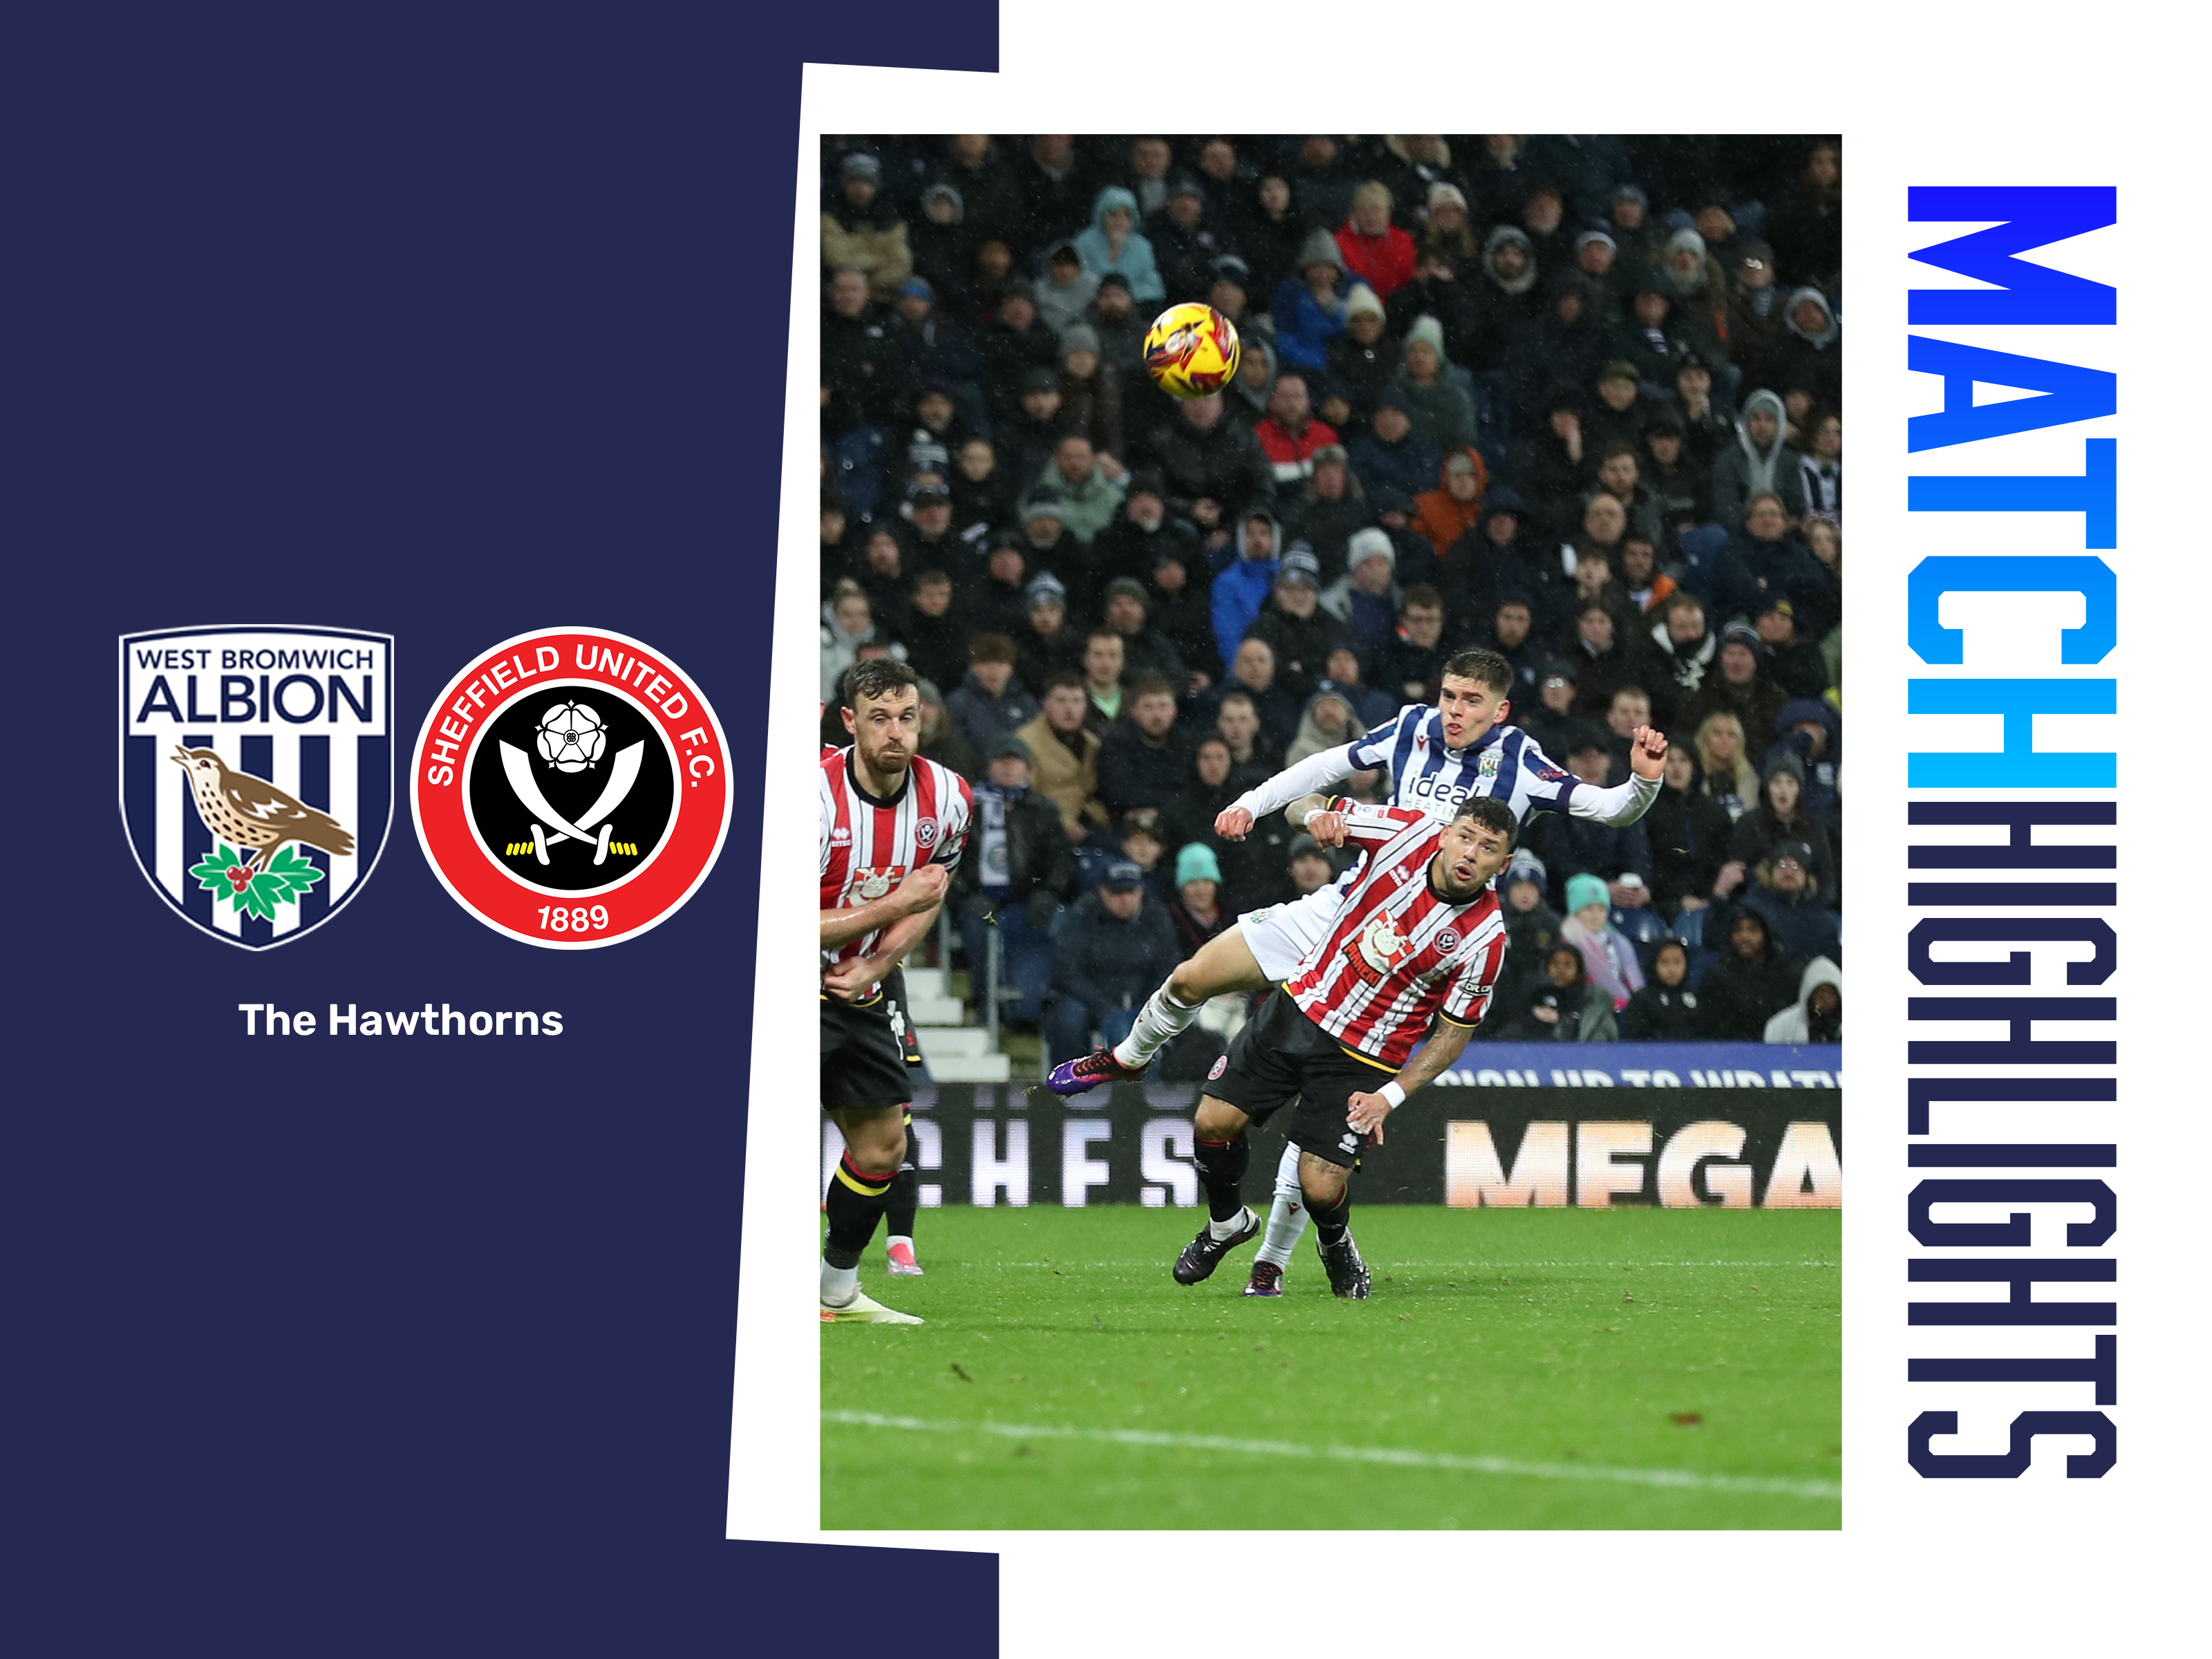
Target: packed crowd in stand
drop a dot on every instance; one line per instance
(1575, 400)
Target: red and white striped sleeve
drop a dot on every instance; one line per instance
(827, 791)
(958, 812)
(1469, 997)
(1375, 826)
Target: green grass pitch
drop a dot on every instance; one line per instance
(1628, 1368)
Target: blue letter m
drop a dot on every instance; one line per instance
(2028, 217)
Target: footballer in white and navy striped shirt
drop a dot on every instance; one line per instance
(1437, 757)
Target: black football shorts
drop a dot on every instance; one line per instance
(1282, 1059)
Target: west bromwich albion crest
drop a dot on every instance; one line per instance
(256, 772)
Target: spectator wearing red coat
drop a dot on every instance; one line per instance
(1290, 436)
(1374, 249)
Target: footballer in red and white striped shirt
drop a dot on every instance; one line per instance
(892, 825)
(1406, 949)
(1412, 955)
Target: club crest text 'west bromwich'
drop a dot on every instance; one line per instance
(256, 772)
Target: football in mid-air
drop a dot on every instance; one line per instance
(570, 737)
(1191, 350)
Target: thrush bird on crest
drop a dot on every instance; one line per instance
(253, 814)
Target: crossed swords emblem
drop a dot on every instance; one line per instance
(622, 777)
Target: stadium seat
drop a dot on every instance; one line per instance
(1690, 927)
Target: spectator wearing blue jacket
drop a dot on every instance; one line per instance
(1113, 242)
(1241, 586)
(1309, 308)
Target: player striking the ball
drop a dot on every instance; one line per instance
(1415, 949)
(1438, 757)
(892, 824)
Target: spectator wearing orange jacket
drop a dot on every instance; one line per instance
(1454, 507)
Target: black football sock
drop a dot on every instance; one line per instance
(901, 1203)
(1220, 1166)
(1331, 1221)
(855, 1204)
(905, 1195)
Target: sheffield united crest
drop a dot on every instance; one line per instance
(571, 787)
(256, 772)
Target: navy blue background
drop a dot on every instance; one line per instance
(449, 327)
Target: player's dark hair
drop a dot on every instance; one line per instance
(878, 677)
(1490, 813)
(1484, 667)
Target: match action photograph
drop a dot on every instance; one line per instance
(1329, 788)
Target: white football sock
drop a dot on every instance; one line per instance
(839, 1285)
(1235, 1225)
(1162, 1017)
(1286, 1222)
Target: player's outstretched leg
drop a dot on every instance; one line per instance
(1224, 963)
(1287, 1223)
(875, 1143)
(1328, 1189)
(1221, 1156)
(901, 1205)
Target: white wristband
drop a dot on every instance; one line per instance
(1391, 1092)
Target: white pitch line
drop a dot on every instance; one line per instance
(1453, 1461)
(1393, 1266)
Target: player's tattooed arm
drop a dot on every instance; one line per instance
(1321, 817)
(1446, 1041)
(922, 890)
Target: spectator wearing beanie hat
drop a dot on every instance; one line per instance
(1146, 650)
(1185, 239)
(1788, 899)
(1366, 597)
(1443, 413)
(1091, 392)
(1046, 645)
(1779, 817)
(1308, 307)
(860, 230)
(1738, 688)
(1374, 250)
(1299, 632)
(1196, 909)
(1329, 508)
(1607, 956)
(1363, 361)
